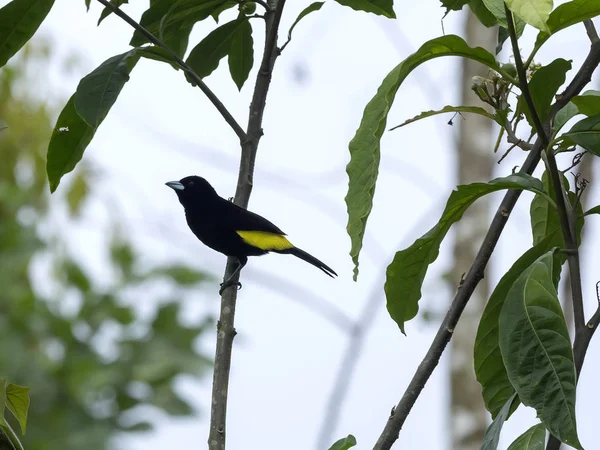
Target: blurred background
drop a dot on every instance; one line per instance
(109, 301)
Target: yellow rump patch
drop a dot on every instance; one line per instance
(264, 240)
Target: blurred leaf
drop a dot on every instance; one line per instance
(122, 255)
(533, 12)
(487, 359)
(167, 400)
(76, 276)
(99, 90)
(533, 439)
(536, 349)
(204, 57)
(107, 11)
(344, 443)
(19, 20)
(405, 275)
(181, 274)
(138, 427)
(586, 134)
(69, 140)
(365, 146)
(241, 53)
(17, 401)
(544, 84)
(380, 7)
(492, 434)
(77, 193)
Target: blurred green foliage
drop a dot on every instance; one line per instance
(93, 363)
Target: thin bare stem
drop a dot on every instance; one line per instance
(591, 30)
(181, 63)
(225, 328)
(396, 420)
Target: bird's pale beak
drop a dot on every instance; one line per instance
(175, 185)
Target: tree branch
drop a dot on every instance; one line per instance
(400, 413)
(185, 67)
(225, 328)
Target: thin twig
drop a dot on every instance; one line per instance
(475, 274)
(181, 63)
(591, 30)
(225, 329)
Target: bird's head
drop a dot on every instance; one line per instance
(192, 189)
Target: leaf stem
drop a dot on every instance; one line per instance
(181, 63)
(396, 420)
(225, 328)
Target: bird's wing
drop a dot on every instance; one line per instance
(243, 220)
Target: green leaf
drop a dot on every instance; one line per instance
(588, 103)
(158, 54)
(492, 434)
(204, 57)
(344, 443)
(566, 15)
(544, 84)
(453, 5)
(536, 349)
(77, 193)
(19, 20)
(532, 439)
(241, 53)
(70, 137)
(306, 11)
(496, 8)
(185, 13)
(107, 11)
(224, 7)
(365, 146)
(586, 134)
(17, 401)
(566, 113)
(379, 7)
(181, 274)
(544, 218)
(98, 90)
(3, 388)
(533, 12)
(483, 14)
(487, 358)
(406, 272)
(447, 109)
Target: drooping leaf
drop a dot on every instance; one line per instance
(447, 109)
(492, 434)
(533, 439)
(185, 13)
(406, 272)
(483, 14)
(536, 349)
(379, 7)
(17, 402)
(543, 86)
(204, 57)
(241, 53)
(365, 146)
(224, 7)
(489, 366)
(98, 90)
(566, 15)
(586, 134)
(344, 443)
(544, 218)
(19, 20)
(158, 54)
(107, 11)
(533, 12)
(69, 140)
(588, 103)
(306, 11)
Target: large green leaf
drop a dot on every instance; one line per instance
(379, 7)
(586, 134)
(536, 349)
(588, 103)
(566, 15)
(344, 443)
(17, 401)
(204, 57)
(566, 113)
(185, 13)
(487, 358)
(69, 140)
(533, 12)
(532, 439)
(406, 272)
(241, 53)
(544, 84)
(365, 146)
(19, 20)
(98, 90)
(447, 109)
(151, 21)
(492, 434)
(483, 14)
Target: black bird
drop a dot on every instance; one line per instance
(232, 230)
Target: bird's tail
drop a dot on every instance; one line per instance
(309, 259)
